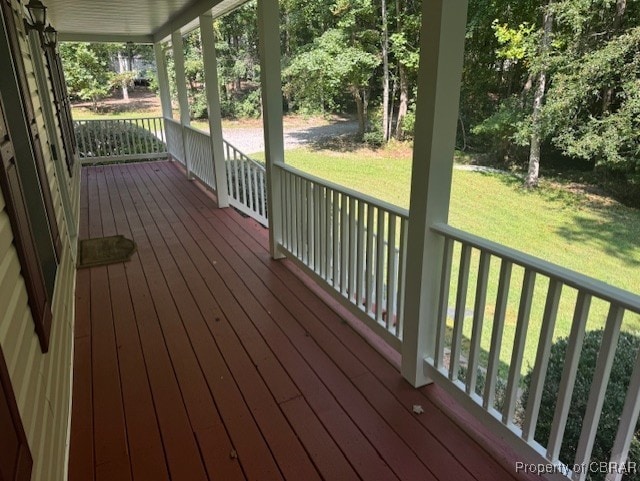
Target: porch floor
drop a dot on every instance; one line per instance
(203, 359)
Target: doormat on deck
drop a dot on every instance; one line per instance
(105, 250)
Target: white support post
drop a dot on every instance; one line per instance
(181, 87)
(163, 81)
(213, 108)
(439, 79)
(269, 47)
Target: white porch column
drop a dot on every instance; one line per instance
(439, 79)
(181, 87)
(269, 47)
(163, 80)
(213, 108)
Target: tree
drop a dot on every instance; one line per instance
(86, 69)
(334, 66)
(385, 71)
(538, 99)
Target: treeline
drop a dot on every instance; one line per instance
(550, 79)
(545, 78)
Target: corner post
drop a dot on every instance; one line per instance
(269, 48)
(439, 79)
(163, 80)
(213, 108)
(183, 99)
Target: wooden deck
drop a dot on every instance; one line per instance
(203, 359)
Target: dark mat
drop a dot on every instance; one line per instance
(105, 250)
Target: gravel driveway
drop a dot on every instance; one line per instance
(251, 140)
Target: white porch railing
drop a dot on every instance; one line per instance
(175, 142)
(246, 178)
(352, 243)
(559, 287)
(247, 184)
(119, 140)
(200, 159)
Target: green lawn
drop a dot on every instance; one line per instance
(594, 237)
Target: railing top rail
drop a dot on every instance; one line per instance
(171, 121)
(381, 204)
(595, 287)
(119, 119)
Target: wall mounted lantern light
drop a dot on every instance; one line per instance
(37, 14)
(50, 37)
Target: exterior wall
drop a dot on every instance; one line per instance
(41, 382)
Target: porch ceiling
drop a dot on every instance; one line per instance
(142, 21)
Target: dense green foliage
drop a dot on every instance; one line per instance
(334, 52)
(622, 369)
(94, 70)
(532, 90)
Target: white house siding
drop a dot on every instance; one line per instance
(41, 382)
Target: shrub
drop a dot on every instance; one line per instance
(623, 364)
(199, 108)
(118, 138)
(250, 106)
(500, 390)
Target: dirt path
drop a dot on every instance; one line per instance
(251, 140)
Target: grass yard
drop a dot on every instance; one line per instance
(582, 232)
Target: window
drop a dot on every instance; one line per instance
(24, 182)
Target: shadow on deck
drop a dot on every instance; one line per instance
(202, 358)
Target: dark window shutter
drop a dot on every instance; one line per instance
(23, 236)
(63, 106)
(15, 457)
(12, 33)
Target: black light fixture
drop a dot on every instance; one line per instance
(50, 37)
(38, 14)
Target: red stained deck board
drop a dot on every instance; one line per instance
(211, 339)
(168, 384)
(399, 455)
(146, 451)
(331, 462)
(291, 457)
(253, 451)
(81, 460)
(363, 455)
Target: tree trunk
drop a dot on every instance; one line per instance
(360, 110)
(361, 97)
(404, 101)
(538, 100)
(607, 96)
(122, 64)
(385, 73)
(236, 49)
